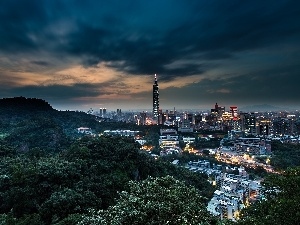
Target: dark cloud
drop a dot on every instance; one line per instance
(146, 37)
(114, 32)
(63, 92)
(19, 22)
(225, 29)
(40, 63)
(278, 86)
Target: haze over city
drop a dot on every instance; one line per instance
(93, 54)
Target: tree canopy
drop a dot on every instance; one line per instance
(53, 189)
(154, 201)
(285, 155)
(281, 202)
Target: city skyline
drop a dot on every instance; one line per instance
(79, 55)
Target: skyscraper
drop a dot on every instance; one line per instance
(155, 99)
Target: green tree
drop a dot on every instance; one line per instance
(58, 188)
(32, 219)
(285, 155)
(162, 200)
(281, 204)
(65, 202)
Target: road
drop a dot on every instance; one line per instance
(245, 160)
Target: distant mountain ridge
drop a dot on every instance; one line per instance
(22, 103)
(262, 108)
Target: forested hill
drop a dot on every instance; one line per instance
(50, 175)
(24, 104)
(27, 123)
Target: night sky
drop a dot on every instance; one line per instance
(104, 53)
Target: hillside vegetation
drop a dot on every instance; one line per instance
(50, 174)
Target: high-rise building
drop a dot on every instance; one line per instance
(185, 124)
(119, 112)
(248, 123)
(234, 112)
(155, 99)
(218, 110)
(221, 110)
(284, 126)
(143, 117)
(264, 127)
(102, 111)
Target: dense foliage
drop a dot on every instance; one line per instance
(155, 201)
(285, 155)
(281, 204)
(50, 189)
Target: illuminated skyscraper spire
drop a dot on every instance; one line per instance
(155, 99)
